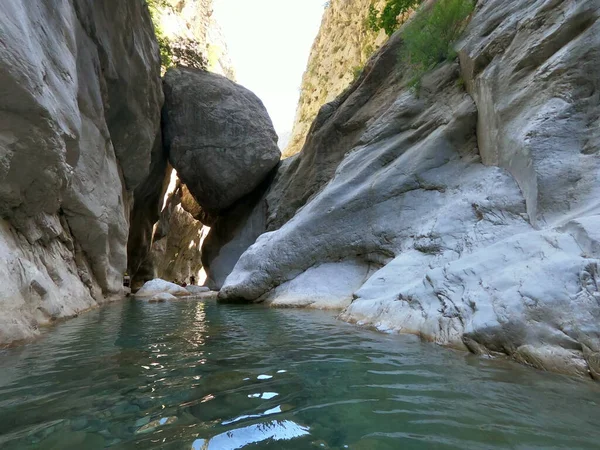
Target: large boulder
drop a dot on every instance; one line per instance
(218, 136)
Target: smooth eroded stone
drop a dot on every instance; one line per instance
(158, 286)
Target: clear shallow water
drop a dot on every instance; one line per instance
(192, 375)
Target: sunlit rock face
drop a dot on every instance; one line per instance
(338, 54)
(218, 136)
(81, 98)
(177, 240)
(474, 218)
(189, 25)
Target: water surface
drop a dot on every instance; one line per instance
(197, 375)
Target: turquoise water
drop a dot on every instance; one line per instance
(194, 375)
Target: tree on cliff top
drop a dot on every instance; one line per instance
(394, 14)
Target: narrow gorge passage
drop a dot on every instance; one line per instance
(352, 224)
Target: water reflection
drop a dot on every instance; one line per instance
(253, 434)
(164, 376)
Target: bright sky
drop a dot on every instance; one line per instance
(269, 42)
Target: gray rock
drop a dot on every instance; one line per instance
(218, 135)
(231, 234)
(499, 257)
(147, 206)
(81, 99)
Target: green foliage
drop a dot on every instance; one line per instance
(373, 18)
(429, 38)
(388, 19)
(356, 71)
(164, 44)
(181, 51)
(166, 54)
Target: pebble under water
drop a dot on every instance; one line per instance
(198, 375)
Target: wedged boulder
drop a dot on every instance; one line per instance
(158, 286)
(218, 136)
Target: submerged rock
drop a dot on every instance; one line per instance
(152, 426)
(162, 297)
(218, 135)
(197, 289)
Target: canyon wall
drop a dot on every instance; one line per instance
(465, 211)
(340, 50)
(188, 25)
(166, 235)
(81, 98)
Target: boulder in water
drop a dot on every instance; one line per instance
(193, 289)
(158, 286)
(162, 297)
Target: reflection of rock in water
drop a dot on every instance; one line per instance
(254, 434)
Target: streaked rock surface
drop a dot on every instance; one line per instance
(479, 211)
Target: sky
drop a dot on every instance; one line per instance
(269, 43)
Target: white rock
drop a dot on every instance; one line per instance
(326, 286)
(497, 258)
(158, 286)
(162, 297)
(193, 289)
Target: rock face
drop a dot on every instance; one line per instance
(339, 53)
(188, 26)
(218, 136)
(473, 218)
(231, 233)
(177, 240)
(81, 99)
(167, 251)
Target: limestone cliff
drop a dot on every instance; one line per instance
(80, 112)
(340, 50)
(188, 25)
(467, 214)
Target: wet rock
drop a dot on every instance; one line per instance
(478, 212)
(161, 298)
(158, 286)
(197, 289)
